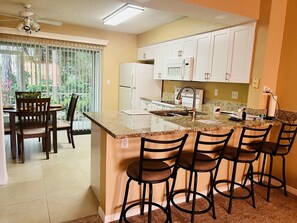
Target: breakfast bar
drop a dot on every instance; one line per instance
(115, 141)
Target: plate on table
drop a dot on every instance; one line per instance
(56, 105)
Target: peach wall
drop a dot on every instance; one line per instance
(274, 45)
(286, 87)
(250, 8)
(255, 95)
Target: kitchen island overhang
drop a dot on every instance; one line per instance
(115, 142)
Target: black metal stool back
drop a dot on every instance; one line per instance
(207, 154)
(248, 150)
(281, 147)
(156, 164)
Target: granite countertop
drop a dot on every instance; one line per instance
(121, 125)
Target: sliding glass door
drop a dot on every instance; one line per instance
(55, 70)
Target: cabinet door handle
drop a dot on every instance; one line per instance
(159, 75)
(144, 56)
(227, 77)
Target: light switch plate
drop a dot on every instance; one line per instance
(255, 83)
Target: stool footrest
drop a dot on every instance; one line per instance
(265, 183)
(190, 211)
(146, 202)
(226, 194)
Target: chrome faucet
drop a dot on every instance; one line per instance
(178, 97)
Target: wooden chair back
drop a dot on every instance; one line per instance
(33, 113)
(27, 94)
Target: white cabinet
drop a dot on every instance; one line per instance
(212, 56)
(225, 55)
(240, 53)
(202, 65)
(219, 55)
(184, 47)
(146, 53)
(162, 52)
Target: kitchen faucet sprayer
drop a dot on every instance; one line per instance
(178, 97)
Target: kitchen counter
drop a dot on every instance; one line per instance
(120, 125)
(115, 142)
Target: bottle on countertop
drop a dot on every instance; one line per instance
(243, 114)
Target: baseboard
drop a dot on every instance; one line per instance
(292, 190)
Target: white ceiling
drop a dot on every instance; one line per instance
(90, 13)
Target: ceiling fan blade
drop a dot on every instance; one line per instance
(50, 22)
(8, 20)
(13, 16)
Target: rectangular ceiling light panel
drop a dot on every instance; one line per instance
(122, 14)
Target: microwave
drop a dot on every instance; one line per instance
(180, 69)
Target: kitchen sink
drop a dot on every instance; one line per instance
(171, 113)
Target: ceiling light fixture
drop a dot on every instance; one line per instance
(28, 25)
(122, 14)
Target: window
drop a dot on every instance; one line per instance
(57, 69)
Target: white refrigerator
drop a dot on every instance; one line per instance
(136, 81)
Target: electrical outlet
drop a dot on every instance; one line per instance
(216, 92)
(124, 143)
(234, 95)
(266, 89)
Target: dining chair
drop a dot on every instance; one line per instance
(68, 123)
(27, 94)
(205, 158)
(156, 164)
(280, 147)
(249, 147)
(33, 115)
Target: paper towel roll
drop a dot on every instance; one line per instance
(272, 106)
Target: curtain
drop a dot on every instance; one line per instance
(56, 68)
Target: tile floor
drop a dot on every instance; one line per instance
(48, 191)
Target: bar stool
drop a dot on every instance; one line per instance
(156, 164)
(205, 158)
(280, 148)
(248, 150)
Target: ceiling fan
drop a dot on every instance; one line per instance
(29, 21)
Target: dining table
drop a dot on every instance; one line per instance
(12, 111)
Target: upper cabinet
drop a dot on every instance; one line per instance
(202, 65)
(220, 56)
(162, 53)
(240, 53)
(184, 47)
(225, 55)
(146, 53)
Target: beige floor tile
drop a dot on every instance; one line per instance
(62, 183)
(18, 173)
(72, 206)
(21, 192)
(34, 211)
(65, 184)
